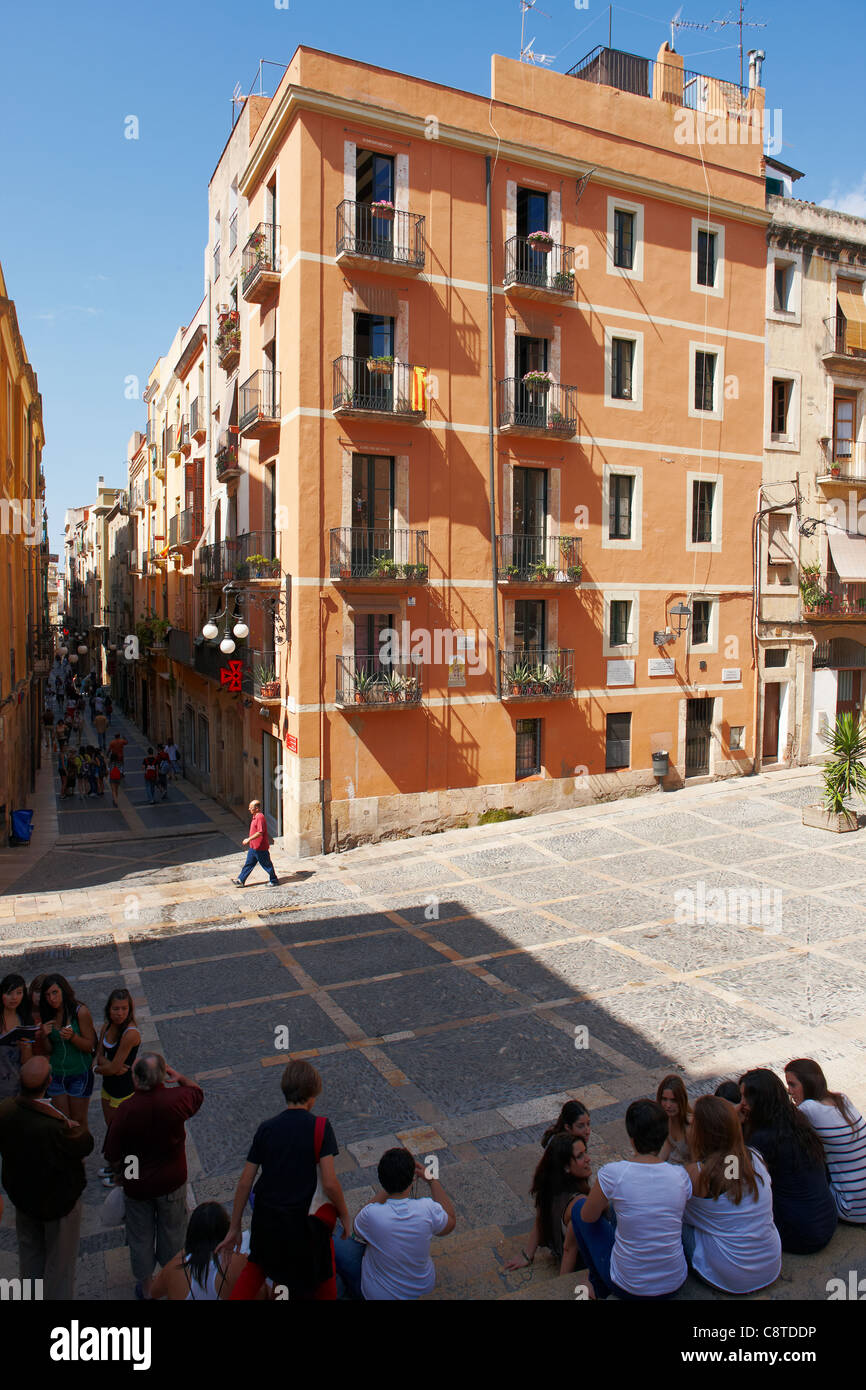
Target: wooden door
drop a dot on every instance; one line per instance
(770, 745)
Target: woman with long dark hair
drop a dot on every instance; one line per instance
(673, 1098)
(573, 1119)
(803, 1206)
(117, 1049)
(729, 1236)
(197, 1273)
(16, 1033)
(841, 1129)
(562, 1174)
(67, 1028)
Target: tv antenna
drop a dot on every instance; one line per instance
(526, 53)
(717, 24)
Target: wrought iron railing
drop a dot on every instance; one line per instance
(667, 82)
(259, 399)
(261, 253)
(552, 559)
(228, 336)
(549, 268)
(387, 236)
(260, 674)
(369, 681)
(844, 337)
(181, 528)
(377, 383)
(551, 408)
(197, 419)
(227, 454)
(360, 552)
(250, 556)
(537, 673)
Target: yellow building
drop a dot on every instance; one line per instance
(25, 639)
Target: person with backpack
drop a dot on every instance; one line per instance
(162, 766)
(115, 776)
(150, 775)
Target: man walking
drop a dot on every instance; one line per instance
(173, 759)
(259, 844)
(162, 766)
(116, 747)
(150, 775)
(43, 1173)
(147, 1140)
(100, 724)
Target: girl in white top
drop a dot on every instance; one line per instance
(197, 1273)
(841, 1129)
(728, 1232)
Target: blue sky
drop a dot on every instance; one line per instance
(101, 238)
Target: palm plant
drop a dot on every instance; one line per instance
(845, 773)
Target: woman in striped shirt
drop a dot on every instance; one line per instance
(841, 1129)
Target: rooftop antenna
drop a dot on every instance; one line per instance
(526, 53)
(741, 23)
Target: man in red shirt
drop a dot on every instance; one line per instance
(147, 1141)
(258, 845)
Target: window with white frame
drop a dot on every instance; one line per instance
(783, 410)
(620, 633)
(622, 504)
(706, 381)
(623, 355)
(784, 286)
(621, 623)
(708, 258)
(703, 512)
(703, 628)
(625, 239)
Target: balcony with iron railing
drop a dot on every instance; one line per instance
(379, 387)
(259, 404)
(182, 529)
(844, 344)
(228, 340)
(537, 267)
(379, 235)
(378, 555)
(662, 81)
(260, 676)
(542, 561)
(538, 407)
(260, 275)
(249, 558)
(197, 420)
(152, 432)
(843, 463)
(139, 493)
(375, 684)
(823, 596)
(227, 456)
(185, 436)
(537, 673)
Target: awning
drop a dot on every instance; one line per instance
(849, 556)
(853, 306)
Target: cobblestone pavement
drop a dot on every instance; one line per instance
(454, 989)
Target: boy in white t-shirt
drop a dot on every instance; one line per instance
(395, 1262)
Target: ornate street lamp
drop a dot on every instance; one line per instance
(682, 614)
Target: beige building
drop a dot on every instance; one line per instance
(811, 575)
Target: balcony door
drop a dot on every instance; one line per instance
(372, 510)
(369, 642)
(530, 355)
(374, 337)
(849, 693)
(531, 217)
(843, 432)
(374, 183)
(529, 516)
(530, 628)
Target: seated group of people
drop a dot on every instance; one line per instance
(721, 1188)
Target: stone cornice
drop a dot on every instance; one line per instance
(295, 99)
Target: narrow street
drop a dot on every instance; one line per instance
(442, 984)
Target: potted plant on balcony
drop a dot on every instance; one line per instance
(380, 366)
(363, 687)
(835, 470)
(512, 571)
(542, 573)
(260, 566)
(411, 689)
(256, 246)
(384, 568)
(393, 685)
(574, 573)
(811, 589)
(563, 281)
(408, 571)
(844, 776)
(420, 573)
(518, 677)
(541, 241)
(266, 679)
(557, 678)
(538, 381)
(384, 209)
(160, 628)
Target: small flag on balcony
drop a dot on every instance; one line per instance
(419, 388)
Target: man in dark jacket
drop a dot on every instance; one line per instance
(43, 1173)
(147, 1139)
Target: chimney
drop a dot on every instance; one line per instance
(756, 58)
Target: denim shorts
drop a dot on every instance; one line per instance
(79, 1086)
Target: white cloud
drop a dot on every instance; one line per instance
(853, 201)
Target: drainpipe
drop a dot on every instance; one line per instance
(490, 434)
